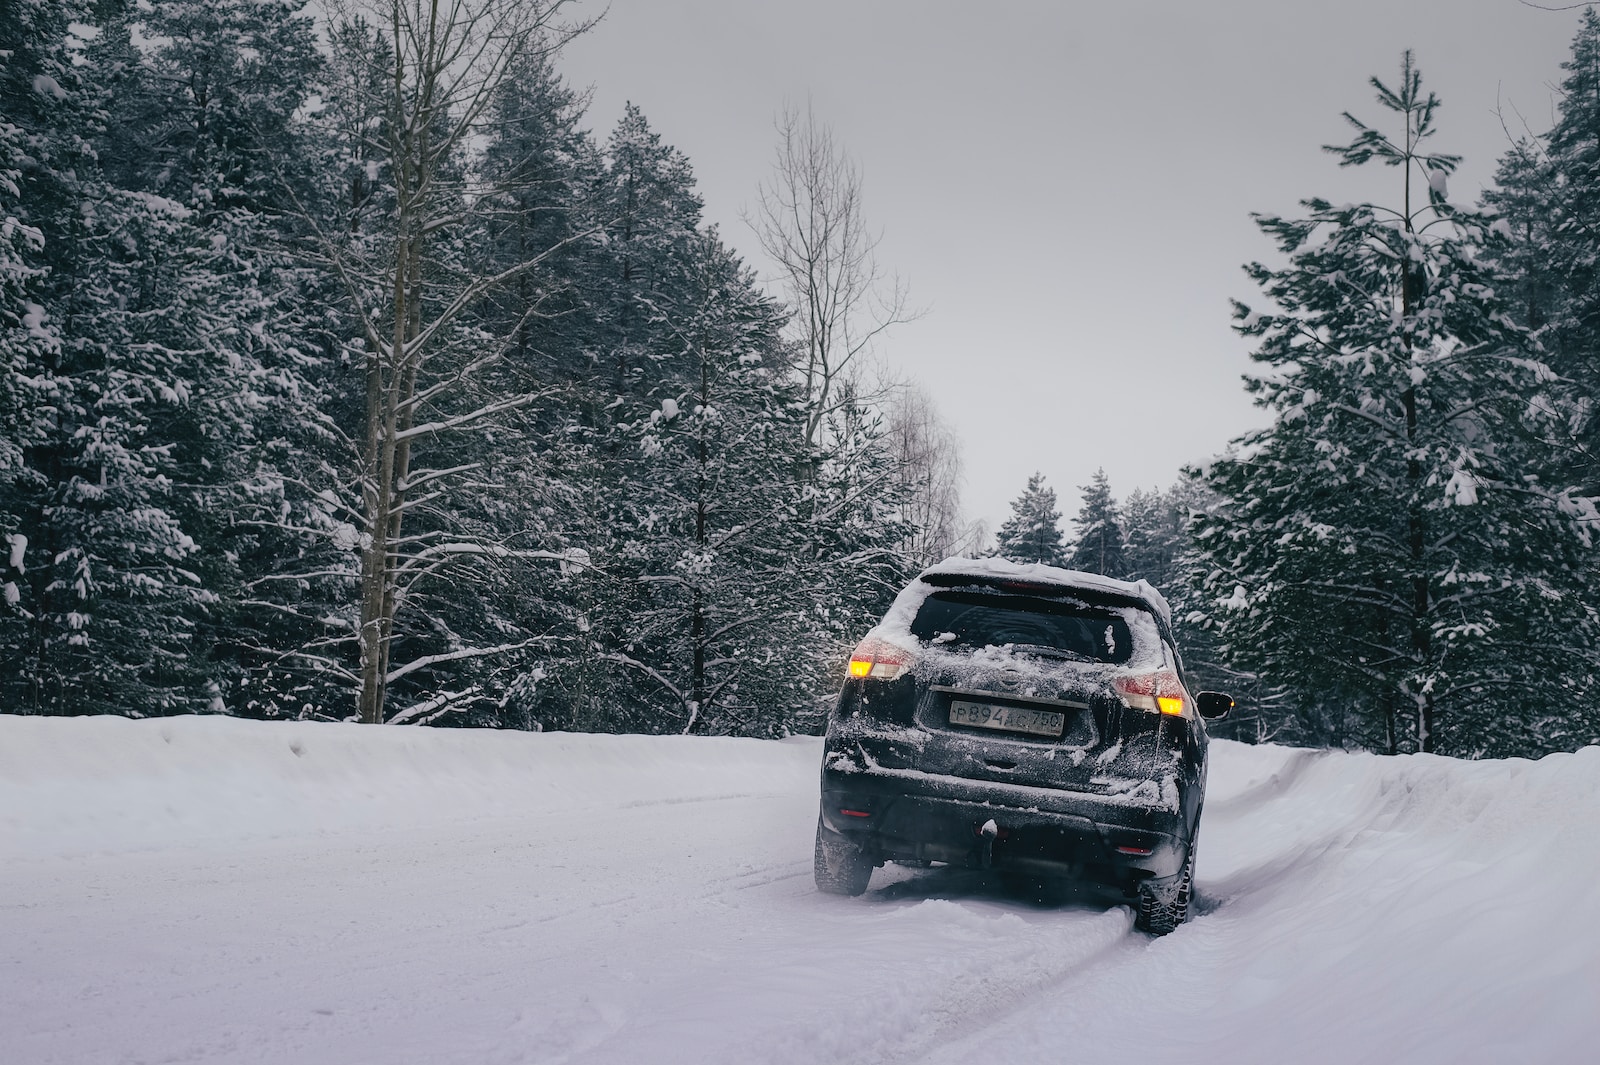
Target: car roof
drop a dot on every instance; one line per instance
(999, 570)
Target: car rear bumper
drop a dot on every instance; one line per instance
(1040, 831)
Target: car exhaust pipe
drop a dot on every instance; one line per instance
(987, 835)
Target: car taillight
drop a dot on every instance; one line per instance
(1159, 693)
(880, 660)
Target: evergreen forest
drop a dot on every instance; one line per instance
(347, 375)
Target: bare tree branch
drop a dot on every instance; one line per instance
(811, 224)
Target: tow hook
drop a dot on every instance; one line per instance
(987, 835)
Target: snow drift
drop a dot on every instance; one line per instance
(111, 784)
(225, 891)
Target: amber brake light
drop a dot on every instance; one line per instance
(880, 660)
(1160, 693)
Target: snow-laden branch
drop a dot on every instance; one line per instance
(422, 477)
(453, 656)
(471, 417)
(654, 674)
(305, 576)
(431, 709)
(573, 557)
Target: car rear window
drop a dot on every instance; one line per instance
(982, 619)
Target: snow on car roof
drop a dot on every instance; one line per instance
(991, 568)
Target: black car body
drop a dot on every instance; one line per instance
(1026, 718)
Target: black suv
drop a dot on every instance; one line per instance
(1023, 718)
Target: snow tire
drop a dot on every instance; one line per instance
(840, 867)
(1163, 908)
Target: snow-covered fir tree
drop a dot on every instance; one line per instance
(1033, 531)
(1547, 199)
(211, 122)
(1098, 545)
(1389, 548)
(32, 136)
(701, 607)
(1156, 524)
(106, 613)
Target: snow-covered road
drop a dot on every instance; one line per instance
(211, 890)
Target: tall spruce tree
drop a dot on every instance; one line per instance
(1033, 531)
(1098, 547)
(1157, 533)
(108, 611)
(37, 151)
(1547, 199)
(1573, 177)
(213, 121)
(703, 607)
(1388, 548)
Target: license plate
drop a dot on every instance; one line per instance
(1006, 718)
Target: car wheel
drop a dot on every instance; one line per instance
(1164, 906)
(840, 867)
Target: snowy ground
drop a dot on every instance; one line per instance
(210, 890)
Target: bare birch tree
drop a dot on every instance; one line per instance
(927, 455)
(423, 92)
(811, 224)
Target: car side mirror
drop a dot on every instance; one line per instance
(1213, 706)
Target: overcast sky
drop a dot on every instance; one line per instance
(1066, 187)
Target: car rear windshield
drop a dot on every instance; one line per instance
(984, 619)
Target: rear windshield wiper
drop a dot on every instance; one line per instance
(1046, 651)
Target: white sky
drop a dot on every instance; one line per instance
(1066, 187)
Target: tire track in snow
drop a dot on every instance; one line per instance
(1119, 963)
(1010, 986)
(935, 953)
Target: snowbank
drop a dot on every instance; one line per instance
(112, 784)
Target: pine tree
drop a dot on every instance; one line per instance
(543, 167)
(179, 380)
(213, 111)
(651, 213)
(859, 525)
(1157, 533)
(1573, 205)
(1521, 203)
(724, 545)
(35, 136)
(1033, 531)
(1547, 199)
(1387, 546)
(1098, 547)
(107, 610)
(615, 357)
(703, 609)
